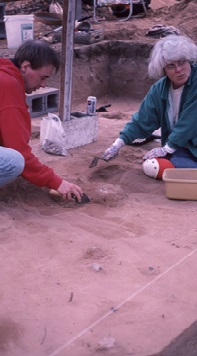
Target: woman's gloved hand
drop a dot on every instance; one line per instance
(159, 152)
(156, 152)
(113, 150)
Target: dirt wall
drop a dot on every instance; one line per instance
(116, 68)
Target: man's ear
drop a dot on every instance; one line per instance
(24, 66)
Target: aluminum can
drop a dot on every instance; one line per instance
(91, 105)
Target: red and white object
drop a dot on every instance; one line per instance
(155, 167)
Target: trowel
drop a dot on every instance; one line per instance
(96, 159)
(84, 197)
(103, 108)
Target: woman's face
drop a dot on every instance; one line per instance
(178, 72)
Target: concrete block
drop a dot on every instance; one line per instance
(36, 105)
(80, 130)
(42, 101)
(51, 101)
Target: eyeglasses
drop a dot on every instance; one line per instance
(176, 64)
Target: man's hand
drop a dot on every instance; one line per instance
(67, 189)
(156, 152)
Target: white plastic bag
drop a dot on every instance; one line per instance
(55, 7)
(52, 135)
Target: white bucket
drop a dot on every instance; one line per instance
(19, 28)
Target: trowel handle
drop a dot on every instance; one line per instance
(84, 18)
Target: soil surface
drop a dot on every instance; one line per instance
(115, 276)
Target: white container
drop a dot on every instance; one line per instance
(91, 105)
(19, 28)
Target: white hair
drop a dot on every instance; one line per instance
(169, 49)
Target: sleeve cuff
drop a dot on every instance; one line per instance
(169, 149)
(119, 143)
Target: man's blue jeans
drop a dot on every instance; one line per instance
(11, 165)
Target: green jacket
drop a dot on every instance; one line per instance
(153, 114)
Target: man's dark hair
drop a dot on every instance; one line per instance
(39, 53)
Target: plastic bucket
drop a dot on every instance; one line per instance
(19, 28)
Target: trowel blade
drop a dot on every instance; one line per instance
(95, 160)
(84, 199)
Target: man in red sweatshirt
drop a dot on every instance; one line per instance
(33, 63)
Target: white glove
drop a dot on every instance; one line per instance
(112, 151)
(159, 152)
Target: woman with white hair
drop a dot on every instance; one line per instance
(171, 104)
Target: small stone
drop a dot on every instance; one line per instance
(96, 267)
(106, 343)
(151, 268)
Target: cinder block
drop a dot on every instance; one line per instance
(36, 104)
(42, 101)
(52, 100)
(80, 131)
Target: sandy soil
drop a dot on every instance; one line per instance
(115, 276)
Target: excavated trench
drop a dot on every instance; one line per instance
(114, 68)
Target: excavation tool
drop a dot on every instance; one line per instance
(84, 198)
(96, 159)
(103, 108)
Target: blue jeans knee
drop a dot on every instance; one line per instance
(11, 165)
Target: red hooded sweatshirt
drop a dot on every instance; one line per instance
(15, 126)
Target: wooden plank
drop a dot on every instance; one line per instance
(67, 58)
